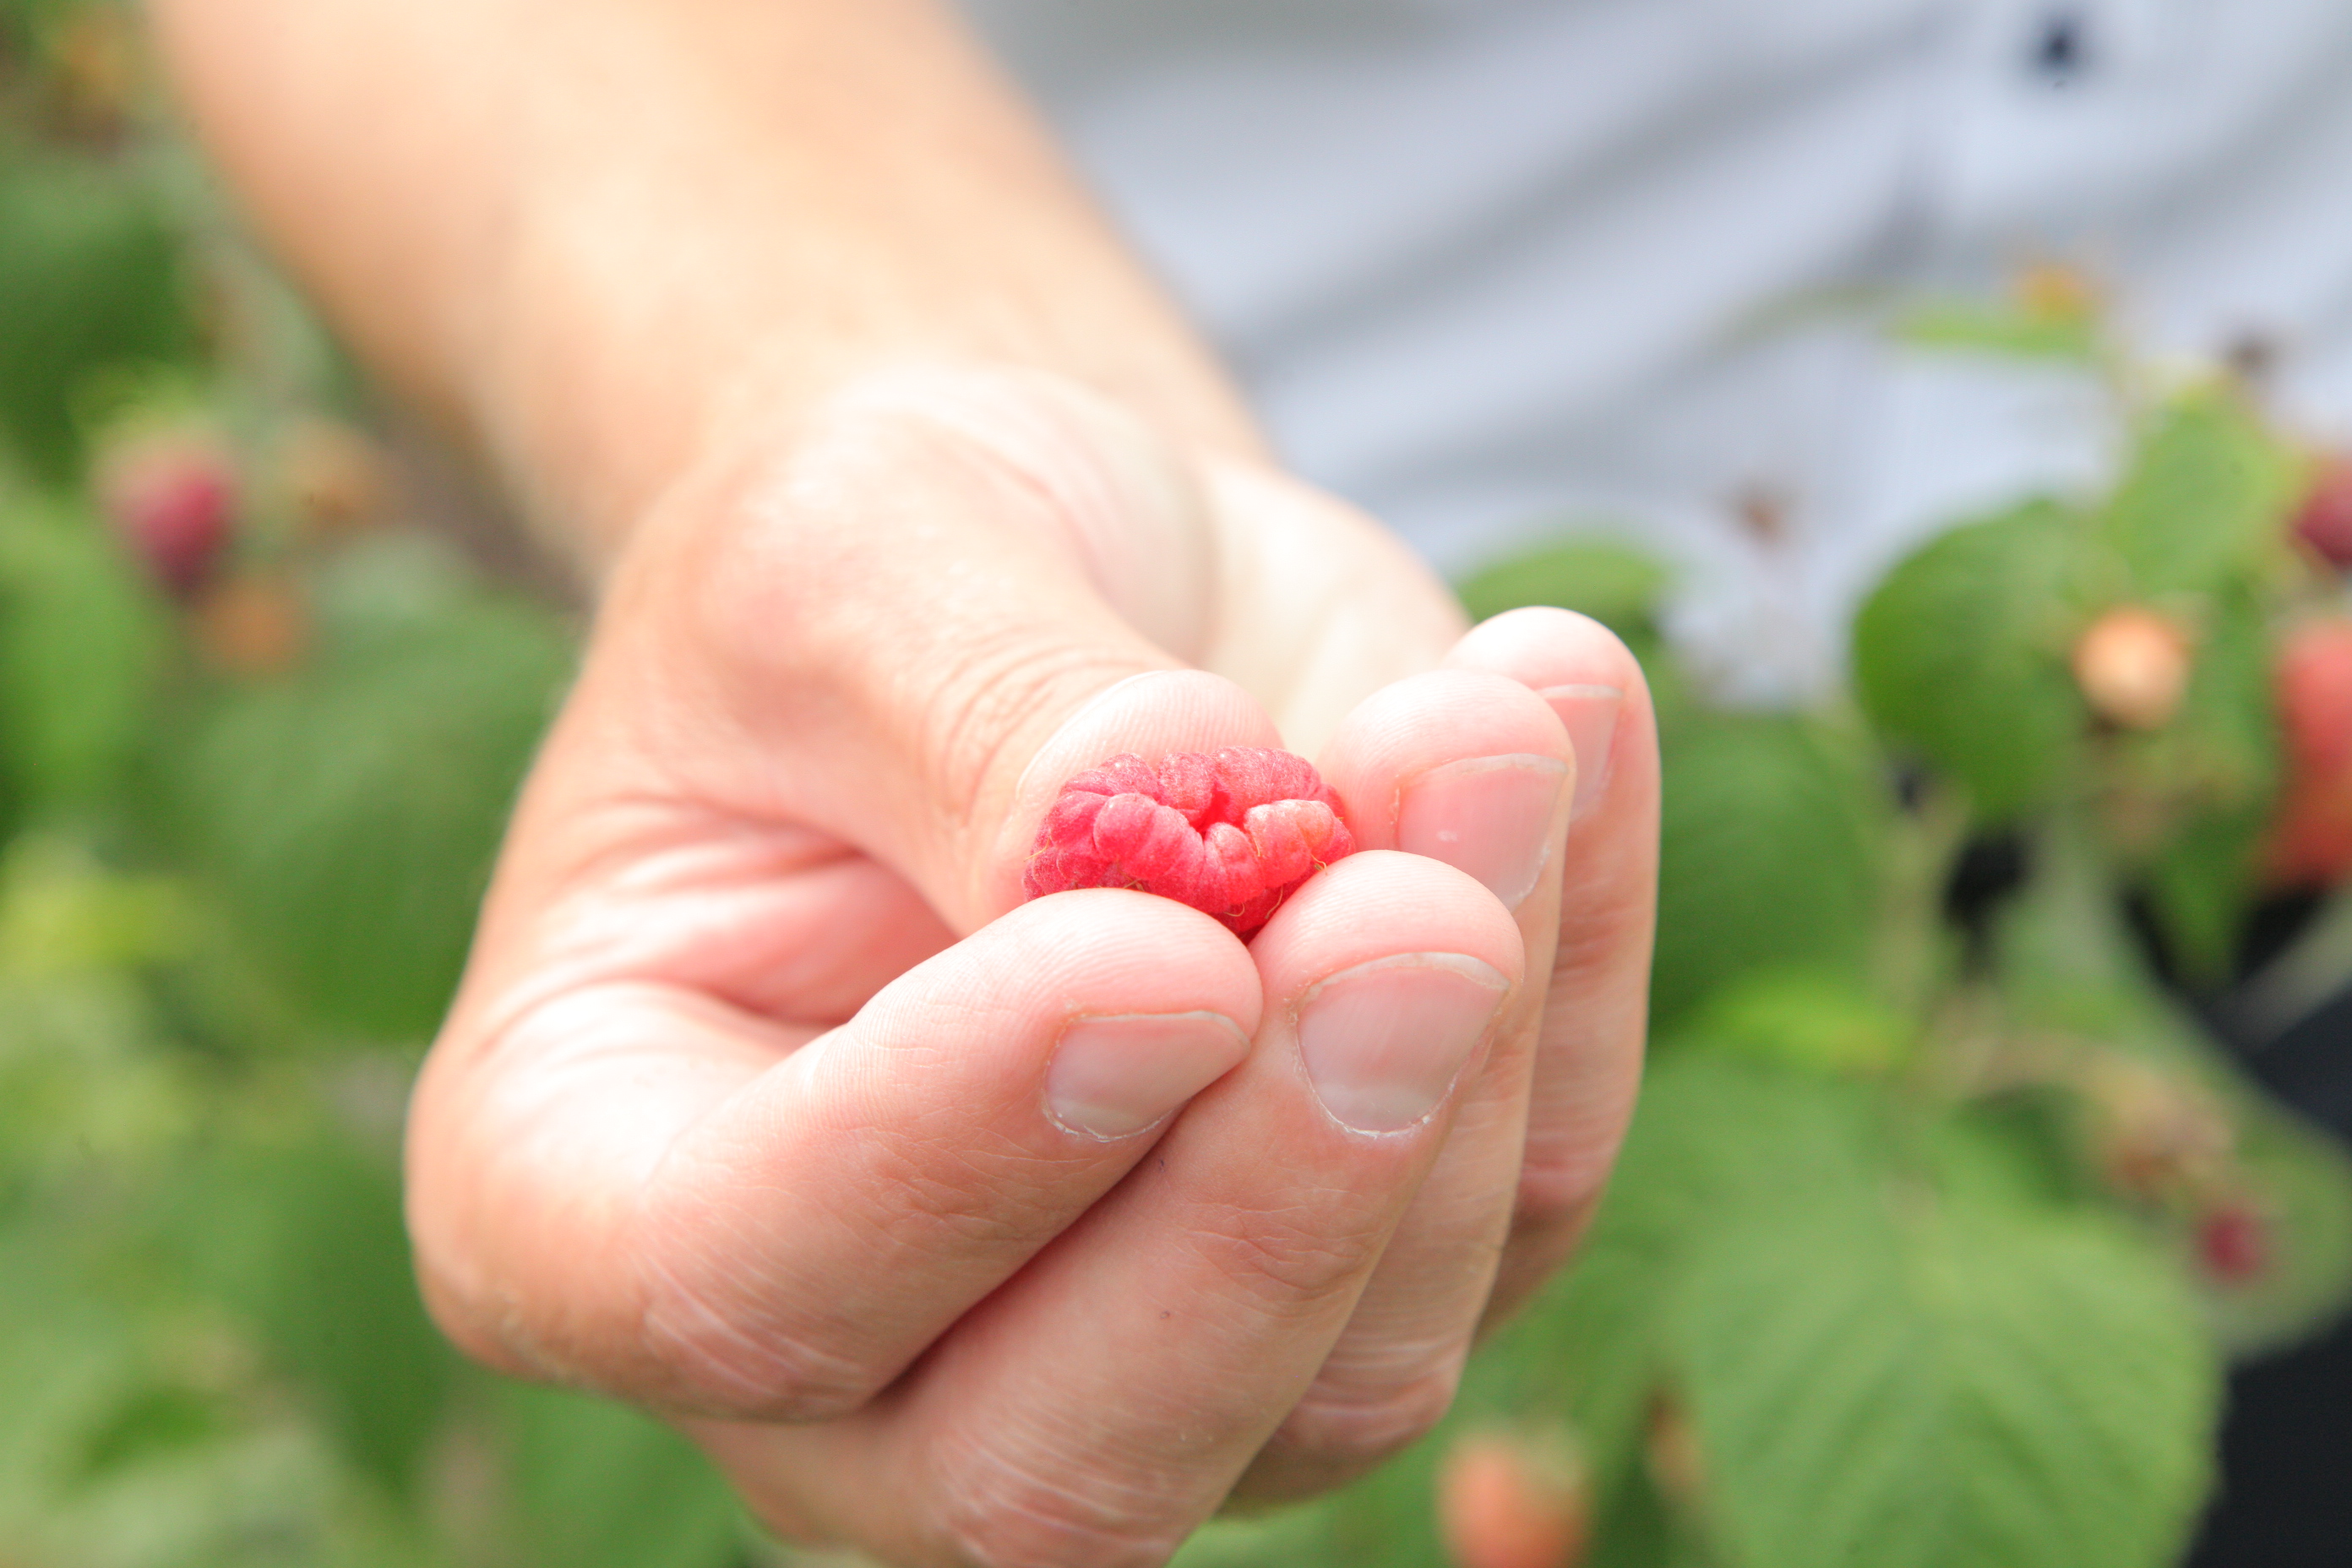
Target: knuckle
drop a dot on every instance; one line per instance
(1010, 674)
(995, 1514)
(1604, 941)
(1573, 1135)
(934, 1199)
(711, 1355)
(1557, 1191)
(971, 577)
(1282, 1260)
(1352, 1429)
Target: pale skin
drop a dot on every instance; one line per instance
(957, 1229)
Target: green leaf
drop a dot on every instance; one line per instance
(2020, 1151)
(2219, 759)
(63, 914)
(152, 1419)
(601, 1486)
(1899, 1378)
(2300, 1180)
(88, 279)
(1289, 1537)
(1862, 1322)
(85, 1092)
(2205, 499)
(1637, 1529)
(1714, 1138)
(1616, 585)
(65, 1361)
(2063, 953)
(2200, 885)
(1388, 1519)
(81, 641)
(1961, 653)
(2010, 332)
(1770, 855)
(308, 1242)
(349, 815)
(2228, 725)
(1819, 1021)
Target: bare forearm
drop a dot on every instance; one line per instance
(601, 234)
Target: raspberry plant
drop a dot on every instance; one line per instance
(1942, 1213)
(259, 733)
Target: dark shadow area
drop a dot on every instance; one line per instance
(2285, 1493)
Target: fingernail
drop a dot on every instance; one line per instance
(1384, 1041)
(1118, 1075)
(1490, 816)
(1590, 714)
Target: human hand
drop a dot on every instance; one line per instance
(960, 1231)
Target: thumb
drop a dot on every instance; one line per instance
(915, 614)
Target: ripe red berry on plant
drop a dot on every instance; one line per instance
(1229, 835)
(2233, 1242)
(2311, 842)
(2324, 520)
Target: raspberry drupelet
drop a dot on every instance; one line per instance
(1229, 835)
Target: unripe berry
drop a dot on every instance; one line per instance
(2233, 1242)
(2323, 521)
(171, 498)
(2131, 665)
(1509, 1501)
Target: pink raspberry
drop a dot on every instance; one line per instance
(172, 497)
(2233, 1242)
(1229, 835)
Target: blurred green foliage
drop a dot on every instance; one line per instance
(1618, 586)
(92, 280)
(81, 649)
(1960, 654)
(243, 832)
(1772, 843)
(351, 810)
